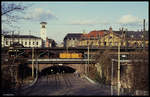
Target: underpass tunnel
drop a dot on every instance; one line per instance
(57, 70)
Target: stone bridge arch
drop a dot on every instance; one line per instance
(80, 68)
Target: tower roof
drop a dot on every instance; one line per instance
(43, 23)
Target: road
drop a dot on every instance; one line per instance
(65, 84)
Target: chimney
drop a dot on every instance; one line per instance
(110, 29)
(47, 42)
(122, 28)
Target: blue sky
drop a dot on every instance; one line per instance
(74, 17)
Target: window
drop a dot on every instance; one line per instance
(110, 37)
(36, 43)
(25, 43)
(132, 36)
(104, 43)
(33, 43)
(99, 42)
(10, 42)
(29, 43)
(116, 43)
(110, 44)
(136, 44)
(6, 42)
(142, 36)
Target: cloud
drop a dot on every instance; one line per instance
(87, 22)
(39, 14)
(129, 19)
(82, 22)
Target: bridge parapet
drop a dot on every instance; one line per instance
(62, 61)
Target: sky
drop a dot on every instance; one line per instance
(75, 17)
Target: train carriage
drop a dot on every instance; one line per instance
(70, 55)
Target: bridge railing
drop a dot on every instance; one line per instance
(70, 60)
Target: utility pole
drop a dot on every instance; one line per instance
(32, 62)
(37, 67)
(29, 38)
(17, 38)
(88, 57)
(112, 77)
(67, 46)
(12, 38)
(144, 34)
(119, 67)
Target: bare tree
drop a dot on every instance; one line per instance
(12, 12)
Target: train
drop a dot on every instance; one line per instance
(70, 55)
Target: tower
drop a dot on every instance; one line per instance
(43, 32)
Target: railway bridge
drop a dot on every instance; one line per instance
(46, 57)
(78, 64)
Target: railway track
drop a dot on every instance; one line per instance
(59, 80)
(52, 83)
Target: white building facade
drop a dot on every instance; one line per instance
(2, 40)
(25, 40)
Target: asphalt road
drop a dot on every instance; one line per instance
(65, 84)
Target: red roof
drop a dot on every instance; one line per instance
(95, 33)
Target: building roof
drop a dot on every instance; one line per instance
(96, 33)
(43, 23)
(133, 34)
(73, 35)
(21, 36)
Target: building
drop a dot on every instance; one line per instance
(72, 39)
(60, 44)
(25, 40)
(133, 38)
(92, 38)
(50, 43)
(110, 38)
